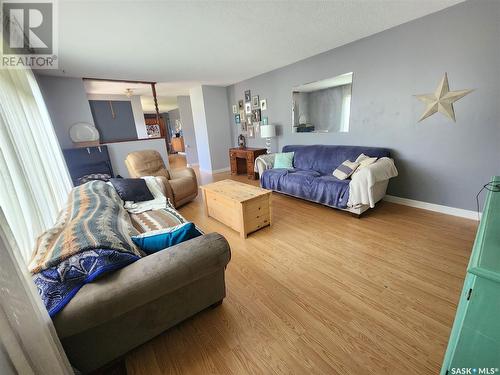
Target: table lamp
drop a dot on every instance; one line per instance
(268, 132)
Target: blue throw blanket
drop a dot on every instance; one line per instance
(92, 236)
(308, 184)
(58, 284)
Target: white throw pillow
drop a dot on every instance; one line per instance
(364, 161)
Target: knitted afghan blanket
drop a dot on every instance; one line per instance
(91, 236)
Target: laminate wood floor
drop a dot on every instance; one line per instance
(321, 292)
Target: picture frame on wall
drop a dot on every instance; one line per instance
(243, 127)
(248, 108)
(256, 115)
(237, 119)
(248, 96)
(241, 106)
(264, 121)
(255, 102)
(250, 132)
(235, 109)
(263, 104)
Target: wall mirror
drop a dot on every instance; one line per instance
(322, 106)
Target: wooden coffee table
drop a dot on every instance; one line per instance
(244, 208)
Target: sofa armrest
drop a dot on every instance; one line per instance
(369, 184)
(165, 187)
(264, 162)
(141, 282)
(184, 172)
(383, 169)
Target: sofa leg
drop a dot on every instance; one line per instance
(357, 216)
(216, 304)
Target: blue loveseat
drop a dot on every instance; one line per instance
(311, 177)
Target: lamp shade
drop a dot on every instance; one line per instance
(267, 131)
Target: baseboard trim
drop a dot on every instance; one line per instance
(468, 214)
(215, 171)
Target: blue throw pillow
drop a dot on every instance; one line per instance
(151, 242)
(283, 160)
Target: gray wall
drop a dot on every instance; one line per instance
(185, 111)
(211, 122)
(67, 104)
(217, 115)
(439, 161)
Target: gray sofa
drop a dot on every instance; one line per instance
(126, 308)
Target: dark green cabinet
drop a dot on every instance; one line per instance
(474, 344)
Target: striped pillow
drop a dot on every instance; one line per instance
(345, 169)
(157, 219)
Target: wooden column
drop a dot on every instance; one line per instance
(161, 124)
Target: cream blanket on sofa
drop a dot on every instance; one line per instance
(363, 181)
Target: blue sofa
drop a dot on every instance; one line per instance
(311, 178)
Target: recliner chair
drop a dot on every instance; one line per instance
(180, 185)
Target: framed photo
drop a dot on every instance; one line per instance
(264, 120)
(237, 118)
(250, 132)
(255, 101)
(235, 109)
(248, 108)
(243, 127)
(248, 97)
(263, 104)
(256, 115)
(153, 131)
(240, 105)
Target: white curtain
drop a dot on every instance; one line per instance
(34, 181)
(28, 339)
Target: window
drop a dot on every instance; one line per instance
(34, 182)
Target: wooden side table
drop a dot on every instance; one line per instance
(243, 160)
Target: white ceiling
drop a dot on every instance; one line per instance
(184, 43)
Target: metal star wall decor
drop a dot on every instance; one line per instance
(442, 100)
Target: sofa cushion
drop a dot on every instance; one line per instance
(132, 189)
(157, 219)
(326, 158)
(151, 242)
(309, 185)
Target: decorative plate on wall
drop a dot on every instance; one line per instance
(83, 132)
